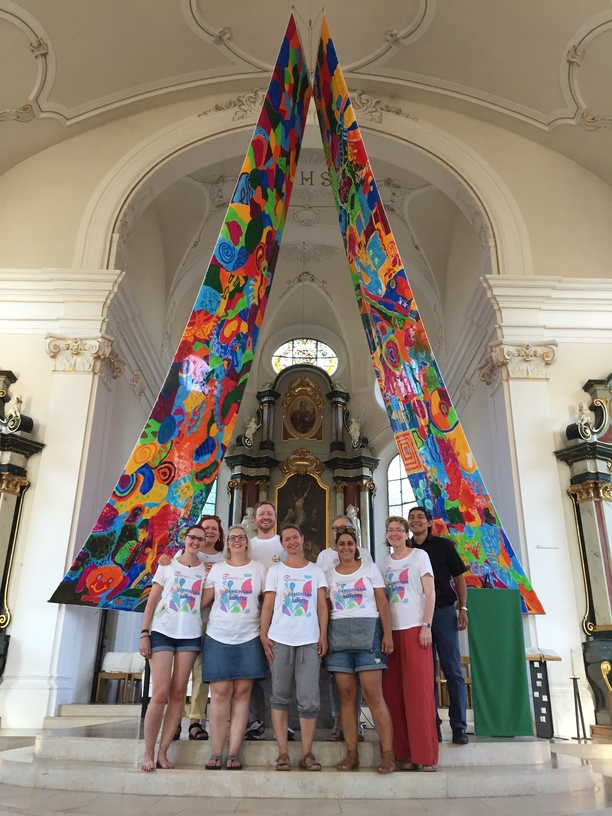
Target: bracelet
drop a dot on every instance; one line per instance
(463, 608)
(428, 625)
(146, 634)
(146, 631)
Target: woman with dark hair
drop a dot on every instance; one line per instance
(211, 552)
(170, 640)
(408, 682)
(359, 638)
(209, 534)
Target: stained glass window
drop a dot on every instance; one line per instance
(305, 351)
(401, 497)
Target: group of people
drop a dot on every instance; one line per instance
(272, 610)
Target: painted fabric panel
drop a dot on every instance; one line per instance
(170, 472)
(431, 441)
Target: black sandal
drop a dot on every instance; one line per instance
(196, 732)
(233, 763)
(177, 733)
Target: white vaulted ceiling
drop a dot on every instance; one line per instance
(538, 68)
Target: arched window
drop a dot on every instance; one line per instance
(401, 497)
(210, 507)
(304, 351)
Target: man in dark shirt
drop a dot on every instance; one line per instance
(446, 564)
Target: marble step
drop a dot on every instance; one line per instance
(22, 767)
(191, 753)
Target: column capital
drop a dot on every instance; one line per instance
(522, 361)
(85, 355)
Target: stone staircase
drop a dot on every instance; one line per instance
(106, 759)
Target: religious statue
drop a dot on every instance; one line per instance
(585, 426)
(249, 432)
(354, 429)
(352, 513)
(12, 415)
(248, 522)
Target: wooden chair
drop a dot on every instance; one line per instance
(467, 676)
(109, 677)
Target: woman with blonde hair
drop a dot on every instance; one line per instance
(232, 654)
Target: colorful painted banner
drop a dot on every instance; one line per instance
(436, 454)
(172, 468)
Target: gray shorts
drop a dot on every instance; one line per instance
(296, 667)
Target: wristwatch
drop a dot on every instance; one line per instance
(428, 625)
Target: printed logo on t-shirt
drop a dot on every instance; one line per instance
(185, 594)
(297, 596)
(235, 595)
(396, 584)
(348, 595)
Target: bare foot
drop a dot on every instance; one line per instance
(164, 764)
(148, 765)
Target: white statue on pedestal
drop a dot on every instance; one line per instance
(352, 513)
(248, 522)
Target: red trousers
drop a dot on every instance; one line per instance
(408, 690)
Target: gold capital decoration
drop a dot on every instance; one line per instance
(368, 485)
(234, 484)
(591, 491)
(10, 483)
(339, 487)
(302, 462)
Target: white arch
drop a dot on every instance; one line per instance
(173, 152)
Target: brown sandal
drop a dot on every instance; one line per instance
(410, 766)
(388, 764)
(283, 763)
(309, 763)
(350, 762)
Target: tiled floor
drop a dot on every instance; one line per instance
(37, 802)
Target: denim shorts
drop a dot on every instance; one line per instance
(355, 662)
(233, 661)
(164, 643)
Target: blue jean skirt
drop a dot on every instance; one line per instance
(233, 661)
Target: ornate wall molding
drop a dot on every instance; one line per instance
(591, 491)
(38, 40)
(301, 462)
(307, 277)
(15, 485)
(523, 361)
(573, 64)
(83, 354)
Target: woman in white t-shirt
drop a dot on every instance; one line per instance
(359, 638)
(170, 640)
(294, 635)
(232, 655)
(209, 535)
(408, 681)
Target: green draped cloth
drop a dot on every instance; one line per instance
(498, 666)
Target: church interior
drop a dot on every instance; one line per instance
(123, 127)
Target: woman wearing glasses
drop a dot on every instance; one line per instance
(170, 640)
(232, 654)
(210, 538)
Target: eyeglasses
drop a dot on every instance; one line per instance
(237, 538)
(396, 530)
(195, 538)
(335, 528)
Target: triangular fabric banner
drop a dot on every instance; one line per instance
(171, 470)
(431, 441)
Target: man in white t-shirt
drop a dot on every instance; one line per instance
(266, 548)
(266, 545)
